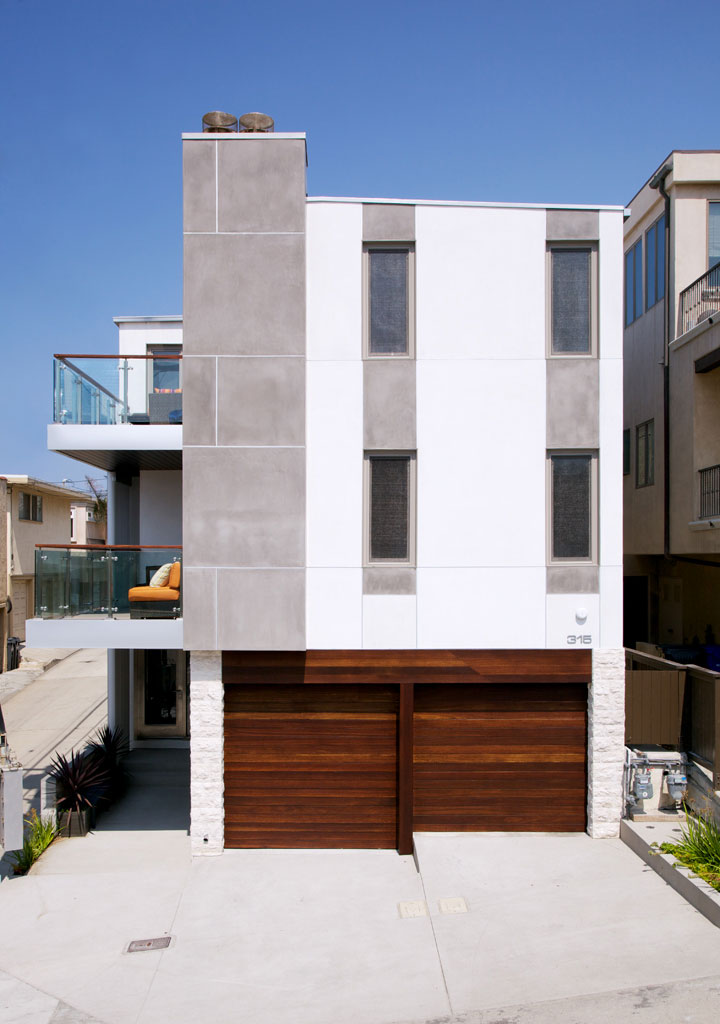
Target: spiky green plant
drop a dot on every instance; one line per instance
(41, 832)
(698, 848)
(109, 749)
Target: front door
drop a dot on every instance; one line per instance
(160, 695)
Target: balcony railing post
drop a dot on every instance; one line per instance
(125, 396)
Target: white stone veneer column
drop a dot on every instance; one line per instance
(606, 742)
(207, 762)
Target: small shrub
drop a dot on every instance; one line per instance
(80, 779)
(698, 848)
(41, 833)
(108, 749)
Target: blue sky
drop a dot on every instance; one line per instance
(569, 102)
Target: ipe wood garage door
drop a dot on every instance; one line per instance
(505, 757)
(310, 765)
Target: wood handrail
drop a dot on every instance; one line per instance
(113, 547)
(121, 355)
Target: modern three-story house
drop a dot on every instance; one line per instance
(380, 461)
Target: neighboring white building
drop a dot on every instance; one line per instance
(397, 485)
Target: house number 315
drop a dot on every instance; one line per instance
(585, 639)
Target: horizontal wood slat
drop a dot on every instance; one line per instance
(310, 766)
(441, 667)
(500, 759)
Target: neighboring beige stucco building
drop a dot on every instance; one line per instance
(3, 579)
(35, 513)
(672, 391)
(86, 527)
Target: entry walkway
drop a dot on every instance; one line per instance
(538, 928)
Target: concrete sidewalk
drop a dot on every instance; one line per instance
(34, 661)
(551, 927)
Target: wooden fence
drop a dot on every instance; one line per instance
(673, 705)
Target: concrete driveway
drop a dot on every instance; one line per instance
(556, 927)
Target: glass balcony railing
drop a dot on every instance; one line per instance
(118, 389)
(107, 582)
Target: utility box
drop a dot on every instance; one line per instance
(11, 807)
(666, 770)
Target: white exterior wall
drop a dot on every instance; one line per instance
(133, 340)
(481, 437)
(160, 516)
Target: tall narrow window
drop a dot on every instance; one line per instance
(389, 301)
(571, 300)
(633, 283)
(389, 513)
(571, 507)
(626, 452)
(645, 454)
(655, 263)
(713, 235)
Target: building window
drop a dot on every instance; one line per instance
(645, 454)
(713, 235)
(572, 485)
(164, 371)
(626, 452)
(389, 507)
(572, 297)
(30, 507)
(633, 283)
(655, 263)
(389, 301)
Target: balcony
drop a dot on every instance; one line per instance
(710, 492)
(98, 596)
(700, 300)
(118, 410)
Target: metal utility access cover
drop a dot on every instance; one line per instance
(413, 908)
(453, 905)
(140, 945)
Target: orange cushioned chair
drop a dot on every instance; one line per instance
(140, 597)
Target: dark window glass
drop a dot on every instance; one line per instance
(626, 452)
(629, 288)
(571, 506)
(388, 301)
(713, 235)
(660, 260)
(645, 454)
(166, 372)
(571, 300)
(30, 507)
(637, 249)
(389, 508)
(650, 266)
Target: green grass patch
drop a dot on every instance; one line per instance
(699, 848)
(39, 835)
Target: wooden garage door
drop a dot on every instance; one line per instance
(500, 757)
(310, 766)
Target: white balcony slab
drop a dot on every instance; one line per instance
(126, 633)
(115, 436)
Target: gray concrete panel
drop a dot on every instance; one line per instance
(199, 410)
(261, 401)
(388, 223)
(244, 295)
(573, 403)
(389, 580)
(199, 186)
(261, 185)
(389, 415)
(573, 579)
(199, 609)
(244, 507)
(571, 225)
(261, 609)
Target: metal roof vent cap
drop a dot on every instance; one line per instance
(219, 121)
(256, 122)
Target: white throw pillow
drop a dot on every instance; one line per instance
(161, 577)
